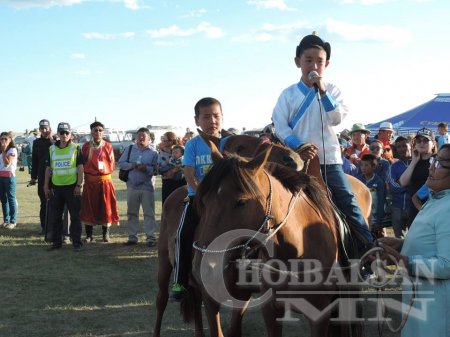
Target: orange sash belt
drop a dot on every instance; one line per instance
(93, 179)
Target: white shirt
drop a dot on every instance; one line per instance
(308, 128)
(10, 170)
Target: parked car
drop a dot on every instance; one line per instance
(120, 142)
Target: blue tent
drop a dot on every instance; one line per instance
(428, 115)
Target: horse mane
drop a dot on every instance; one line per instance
(290, 179)
(295, 181)
(229, 166)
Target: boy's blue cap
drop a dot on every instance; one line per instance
(313, 41)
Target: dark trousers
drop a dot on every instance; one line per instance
(183, 243)
(170, 185)
(63, 195)
(43, 209)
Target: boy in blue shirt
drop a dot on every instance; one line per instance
(306, 124)
(196, 161)
(377, 189)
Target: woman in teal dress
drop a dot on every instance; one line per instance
(426, 253)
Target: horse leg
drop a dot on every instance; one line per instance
(271, 316)
(213, 316)
(164, 270)
(198, 319)
(236, 321)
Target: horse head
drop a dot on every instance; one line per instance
(241, 202)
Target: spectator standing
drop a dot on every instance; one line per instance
(377, 189)
(347, 165)
(169, 183)
(416, 174)
(443, 137)
(8, 166)
(63, 182)
(175, 164)
(401, 197)
(38, 156)
(140, 188)
(359, 147)
(99, 205)
(32, 136)
(187, 136)
(385, 135)
(382, 169)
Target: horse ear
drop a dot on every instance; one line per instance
(226, 133)
(208, 138)
(216, 156)
(259, 161)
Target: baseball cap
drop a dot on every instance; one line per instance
(313, 41)
(63, 126)
(424, 132)
(44, 123)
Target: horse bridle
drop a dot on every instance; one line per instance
(265, 228)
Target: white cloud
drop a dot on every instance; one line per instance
(270, 32)
(271, 4)
(196, 13)
(362, 2)
(108, 36)
(131, 4)
(40, 3)
(367, 32)
(205, 28)
(78, 56)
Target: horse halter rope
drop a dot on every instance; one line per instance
(271, 231)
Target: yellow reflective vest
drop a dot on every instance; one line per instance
(63, 163)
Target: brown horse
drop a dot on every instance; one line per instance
(246, 146)
(173, 207)
(280, 214)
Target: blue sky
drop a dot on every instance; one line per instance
(138, 62)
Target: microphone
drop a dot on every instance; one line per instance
(312, 74)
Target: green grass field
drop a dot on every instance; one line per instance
(104, 290)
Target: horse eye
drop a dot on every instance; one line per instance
(240, 202)
(239, 149)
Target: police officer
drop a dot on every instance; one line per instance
(63, 182)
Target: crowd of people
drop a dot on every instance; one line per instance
(75, 187)
(393, 168)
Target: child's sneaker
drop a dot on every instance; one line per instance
(10, 226)
(178, 292)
